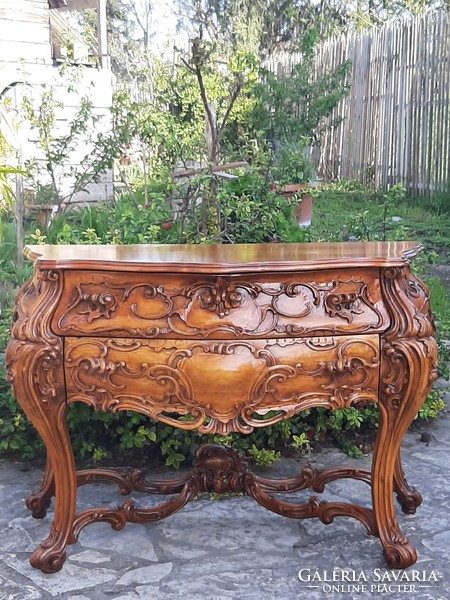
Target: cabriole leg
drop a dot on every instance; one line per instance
(407, 370)
(49, 419)
(34, 361)
(50, 555)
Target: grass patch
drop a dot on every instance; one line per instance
(348, 209)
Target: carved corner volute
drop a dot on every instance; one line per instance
(34, 353)
(408, 302)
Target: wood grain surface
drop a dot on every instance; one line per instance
(223, 258)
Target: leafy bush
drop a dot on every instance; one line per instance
(126, 221)
(298, 106)
(246, 211)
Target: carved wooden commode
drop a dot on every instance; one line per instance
(222, 339)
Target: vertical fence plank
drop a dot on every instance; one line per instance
(446, 111)
(396, 118)
(407, 103)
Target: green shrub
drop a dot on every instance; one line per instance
(126, 221)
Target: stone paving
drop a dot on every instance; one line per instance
(233, 548)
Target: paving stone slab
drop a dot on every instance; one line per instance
(10, 589)
(148, 574)
(16, 539)
(439, 544)
(135, 538)
(72, 578)
(89, 557)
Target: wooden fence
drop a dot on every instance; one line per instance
(396, 118)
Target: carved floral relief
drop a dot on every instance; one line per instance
(407, 300)
(223, 386)
(220, 307)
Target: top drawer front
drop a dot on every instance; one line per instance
(274, 305)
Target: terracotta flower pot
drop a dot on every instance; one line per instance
(41, 212)
(303, 211)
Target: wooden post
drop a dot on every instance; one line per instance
(102, 34)
(19, 213)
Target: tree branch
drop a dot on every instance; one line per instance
(234, 97)
(204, 98)
(214, 169)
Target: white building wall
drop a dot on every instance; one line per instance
(26, 54)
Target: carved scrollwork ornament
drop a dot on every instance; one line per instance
(347, 299)
(167, 378)
(238, 307)
(407, 300)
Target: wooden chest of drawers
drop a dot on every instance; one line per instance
(222, 339)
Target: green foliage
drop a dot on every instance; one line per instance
(247, 211)
(301, 442)
(11, 276)
(244, 106)
(60, 162)
(350, 449)
(170, 129)
(346, 419)
(267, 26)
(264, 457)
(250, 211)
(440, 305)
(295, 108)
(292, 165)
(17, 436)
(126, 221)
(274, 25)
(16, 433)
(432, 406)
(6, 192)
(288, 228)
(370, 215)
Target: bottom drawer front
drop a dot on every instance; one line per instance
(218, 386)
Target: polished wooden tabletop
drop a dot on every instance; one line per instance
(229, 258)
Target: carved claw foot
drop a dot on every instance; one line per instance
(408, 497)
(48, 560)
(39, 501)
(38, 504)
(400, 556)
(409, 500)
